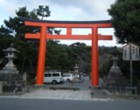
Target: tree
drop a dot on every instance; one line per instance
(17, 28)
(58, 57)
(13, 32)
(126, 20)
(14, 27)
(43, 11)
(81, 53)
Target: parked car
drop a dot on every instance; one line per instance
(53, 77)
(68, 77)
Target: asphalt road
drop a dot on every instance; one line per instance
(44, 104)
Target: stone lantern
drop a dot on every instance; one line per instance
(76, 69)
(11, 80)
(10, 68)
(115, 80)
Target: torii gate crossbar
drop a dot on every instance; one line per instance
(43, 36)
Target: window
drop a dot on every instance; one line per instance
(47, 75)
(65, 75)
(55, 74)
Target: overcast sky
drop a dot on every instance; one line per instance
(74, 10)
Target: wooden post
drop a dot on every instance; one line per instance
(94, 65)
(41, 57)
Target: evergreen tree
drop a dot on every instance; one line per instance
(126, 20)
(13, 31)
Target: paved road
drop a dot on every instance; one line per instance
(45, 104)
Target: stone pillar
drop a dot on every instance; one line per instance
(25, 78)
(0, 87)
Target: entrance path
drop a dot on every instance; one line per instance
(62, 94)
(65, 91)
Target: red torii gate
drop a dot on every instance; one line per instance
(43, 36)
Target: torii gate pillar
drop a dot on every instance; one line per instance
(41, 56)
(94, 58)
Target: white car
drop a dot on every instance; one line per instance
(68, 77)
(53, 77)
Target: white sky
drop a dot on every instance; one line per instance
(74, 10)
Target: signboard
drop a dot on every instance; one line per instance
(131, 51)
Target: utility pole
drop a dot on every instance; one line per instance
(131, 66)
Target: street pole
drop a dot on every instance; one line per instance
(131, 73)
(131, 68)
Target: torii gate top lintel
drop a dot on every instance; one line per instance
(76, 24)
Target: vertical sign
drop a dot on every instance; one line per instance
(131, 51)
(135, 53)
(126, 53)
